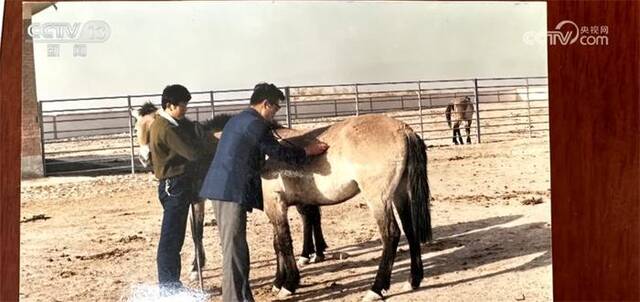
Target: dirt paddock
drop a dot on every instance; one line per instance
(93, 238)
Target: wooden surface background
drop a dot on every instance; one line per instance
(595, 159)
(595, 154)
(10, 103)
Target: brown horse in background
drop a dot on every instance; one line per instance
(461, 109)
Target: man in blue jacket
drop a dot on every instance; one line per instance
(234, 184)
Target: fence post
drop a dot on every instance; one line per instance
(213, 107)
(420, 110)
(133, 167)
(402, 102)
(477, 97)
(55, 127)
(41, 122)
(335, 107)
(197, 114)
(357, 101)
(430, 101)
(529, 108)
(499, 96)
(287, 99)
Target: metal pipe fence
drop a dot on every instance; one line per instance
(96, 135)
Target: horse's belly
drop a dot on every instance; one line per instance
(318, 189)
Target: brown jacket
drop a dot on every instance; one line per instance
(171, 148)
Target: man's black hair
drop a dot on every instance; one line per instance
(175, 94)
(266, 91)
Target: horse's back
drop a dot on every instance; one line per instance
(367, 136)
(360, 132)
(368, 149)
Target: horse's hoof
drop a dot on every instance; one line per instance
(408, 286)
(303, 261)
(316, 258)
(275, 289)
(372, 296)
(284, 293)
(193, 276)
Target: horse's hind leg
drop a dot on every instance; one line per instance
(312, 232)
(404, 212)
(390, 235)
(468, 130)
(318, 237)
(196, 234)
(307, 231)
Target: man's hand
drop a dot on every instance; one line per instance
(316, 148)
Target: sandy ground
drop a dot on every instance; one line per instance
(491, 215)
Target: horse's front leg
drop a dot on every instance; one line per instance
(461, 140)
(455, 135)
(196, 234)
(287, 275)
(468, 130)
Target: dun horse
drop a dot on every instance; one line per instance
(374, 157)
(206, 136)
(462, 110)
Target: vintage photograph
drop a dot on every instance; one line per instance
(287, 150)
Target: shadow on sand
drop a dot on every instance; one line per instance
(474, 244)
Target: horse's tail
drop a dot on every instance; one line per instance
(418, 188)
(447, 114)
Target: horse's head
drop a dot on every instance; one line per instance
(144, 117)
(275, 125)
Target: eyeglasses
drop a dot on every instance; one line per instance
(275, 105)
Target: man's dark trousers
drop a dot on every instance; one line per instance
(175, 193)
(232, 227)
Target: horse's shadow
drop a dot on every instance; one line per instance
(473, 244)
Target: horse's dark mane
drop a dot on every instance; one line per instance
(147, 108)
(217, 122)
